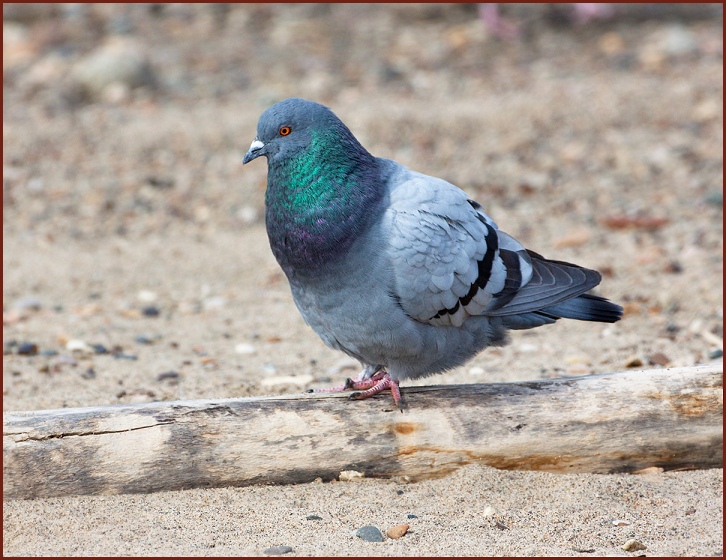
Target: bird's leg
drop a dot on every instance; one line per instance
(365, 380)
(381, 382)
(371, 381)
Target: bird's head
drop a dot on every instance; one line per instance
(288, 127)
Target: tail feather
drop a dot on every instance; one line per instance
(585, 307)
(557, 290)
(552, 283)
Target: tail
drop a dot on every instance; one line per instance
(585, 307)
(556, 291)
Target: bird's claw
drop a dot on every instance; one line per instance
(368, 387)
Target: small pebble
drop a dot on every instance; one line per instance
(715, 354)
(489, 511)
(677, 41)
(399, 492)
(111, 70)
(314, 518)
(49, 353)
(172, 375)
(141, 339)
(160, 183)
(585, 550)
(66, 360)
(277, 550)
(715, 198)
(9, 346)
(90, 373)
(650, 470)
(620, 522)
(29, 303)
(690, 511)
(673, 267)
(99, 348)
(150, 311)
(213, 303)
(28, 349)
(397, 532)
(633, 545)
(75, 345)
(610, 43)
(369, 533)
(412, 516)
(350, 476)
(12, 316)
(122, 356)
(247, 214)
(659, 359)
(146, 296)
(501, 526)
(244, 348)
(633, 362)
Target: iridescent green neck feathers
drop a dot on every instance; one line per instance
(319, 197)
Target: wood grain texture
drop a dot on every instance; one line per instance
(619, 422)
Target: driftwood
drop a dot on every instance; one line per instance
(620, 422)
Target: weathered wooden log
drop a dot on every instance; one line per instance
(620, 422)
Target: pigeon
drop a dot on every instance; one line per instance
(400, 270)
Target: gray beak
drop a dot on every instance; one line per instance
(255, 151)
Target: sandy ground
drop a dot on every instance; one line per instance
(130, 224)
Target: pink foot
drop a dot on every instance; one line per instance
(367, 387)
(381, 382)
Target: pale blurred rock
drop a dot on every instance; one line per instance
(708, 110)
(633, 545)
(397, 532)
(350, 476)
(17, 47)
(244, 348)
(75, 345)
(248, 214)
(611, 43)
(146, 296)
(119, 61)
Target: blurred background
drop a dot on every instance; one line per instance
(135, 261)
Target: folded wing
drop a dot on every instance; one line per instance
(451, 262)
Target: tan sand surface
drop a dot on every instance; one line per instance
(600, 145)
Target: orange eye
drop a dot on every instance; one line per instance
(285, 130)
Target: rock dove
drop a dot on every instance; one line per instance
(400, 270)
